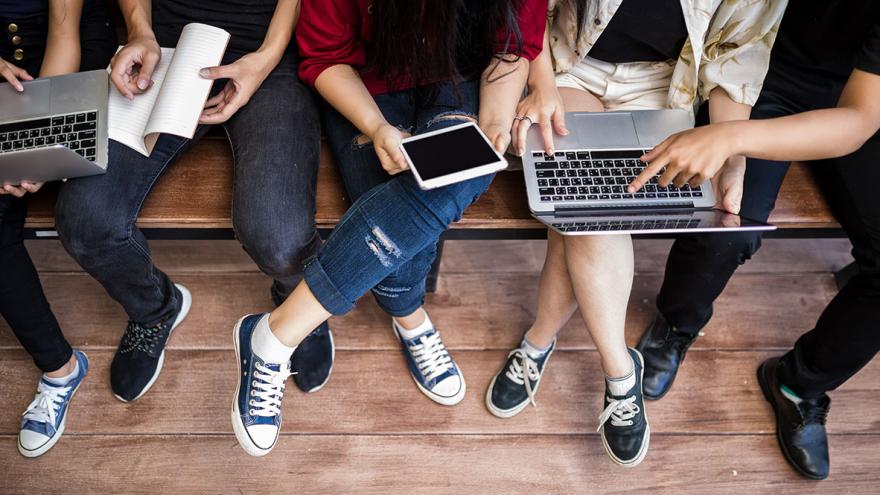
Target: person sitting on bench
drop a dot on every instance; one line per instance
(388, 68)
(46, 39)
(273, 126)
(819, 102)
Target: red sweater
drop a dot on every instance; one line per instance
(334, 32)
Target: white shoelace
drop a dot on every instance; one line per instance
(44, 408)
(267, 390)
(522, 362)
(620, 412)
(431, 356)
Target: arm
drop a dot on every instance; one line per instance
(499, 96)
(543, 105)
(248, 73)
(813, 135)
(344, 90)
(131, 69)
(62, 43)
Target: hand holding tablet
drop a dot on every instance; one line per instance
(451, 155)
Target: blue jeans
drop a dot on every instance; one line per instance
(387, 240)
(275, 141)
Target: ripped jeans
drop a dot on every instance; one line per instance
(387, 240)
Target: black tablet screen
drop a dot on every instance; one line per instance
(450, 152)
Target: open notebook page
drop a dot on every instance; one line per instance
(128, 119)
(184, 92)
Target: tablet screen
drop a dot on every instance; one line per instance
(450, 152)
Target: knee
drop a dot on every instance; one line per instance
(737, 247)
(278, 250)
(87, 229)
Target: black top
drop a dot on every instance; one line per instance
(19, 9)
(642, 31)
(831, 37)
(246, 20)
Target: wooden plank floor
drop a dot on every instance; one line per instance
(371, 431)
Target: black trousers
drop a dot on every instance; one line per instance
(22, 301)
(847, 335)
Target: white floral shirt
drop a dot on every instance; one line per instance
(728, 44)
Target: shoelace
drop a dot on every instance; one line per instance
(812, 413)
(431, 356)
(44, 408)
(267, 390)
(523, 363)
(139, 337)
(620, 412)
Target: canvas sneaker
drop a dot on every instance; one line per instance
(432, 368)
(256, 405)
(510, 392)
(623, 424)
(42, 423)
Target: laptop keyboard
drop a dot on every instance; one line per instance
(628, 225)
(77, 131)
(597, 176)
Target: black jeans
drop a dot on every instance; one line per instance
(275, 142)
(22, 301)
(846, 336)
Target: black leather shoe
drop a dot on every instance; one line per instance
(800, 428)
(623, 424)
(663, 348)
(313, 358)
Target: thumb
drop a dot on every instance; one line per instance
(145, 74)
(219, 72)
(558, 119)
(733, 198)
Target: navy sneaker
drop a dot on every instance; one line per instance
(256, 406)
(141, 353)
(623, 424)
(432, 368)
(312, 361)
(42, 424)
(509, 393)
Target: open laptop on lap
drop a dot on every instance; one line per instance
(55, 129)
(581, 189)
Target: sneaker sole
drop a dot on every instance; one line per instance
(186, 305)
(644, 450)
(769, 398)
(509, 413)
(439, 399)
(237, 426)
(332, 362)
(52, 441)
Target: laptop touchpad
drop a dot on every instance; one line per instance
(35, 100)
(598, 130)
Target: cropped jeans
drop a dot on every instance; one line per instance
(387, 240)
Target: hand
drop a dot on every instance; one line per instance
(131, 69)
(690, 157)
(12, 74)
(728, 185)
(245, 77)
(543, 107)
(498, 134)
(386, 141)
(21, 189)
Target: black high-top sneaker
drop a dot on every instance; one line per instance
(663, 347)
(312, 361)
(623, 424)
(800, 424)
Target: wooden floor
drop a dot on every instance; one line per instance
(370, 431)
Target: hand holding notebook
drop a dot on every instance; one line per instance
(174, 102)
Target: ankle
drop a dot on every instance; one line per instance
(618, 366)
(68, 368)
(540, 338)
(412, 320)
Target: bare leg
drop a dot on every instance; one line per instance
(595, 273)
(64, 370)
(294, 320)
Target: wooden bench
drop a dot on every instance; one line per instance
(193, 200)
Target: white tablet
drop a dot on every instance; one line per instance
(451, 155)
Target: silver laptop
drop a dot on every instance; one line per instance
(581, 189)
(55, 129)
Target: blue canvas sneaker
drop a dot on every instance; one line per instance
(256, 406)
(42, 424)
(432, 368)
